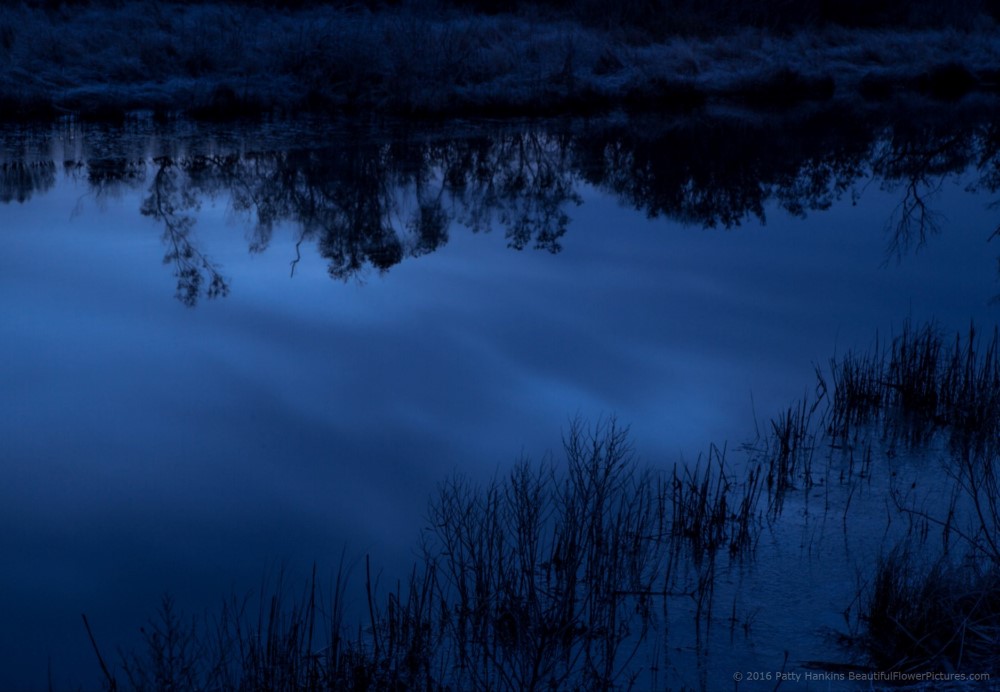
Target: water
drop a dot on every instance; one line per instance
(488, 287)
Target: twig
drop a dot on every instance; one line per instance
(112, 683)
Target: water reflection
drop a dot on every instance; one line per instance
(19, 180)
(368, 203)
(173, 203)
(194, 446)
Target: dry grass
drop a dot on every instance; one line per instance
(226, 61)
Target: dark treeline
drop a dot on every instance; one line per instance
(111, 61)
(367, 203)
(661, 17)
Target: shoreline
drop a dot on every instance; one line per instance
(223, 63)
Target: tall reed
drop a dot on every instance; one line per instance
(920, 385)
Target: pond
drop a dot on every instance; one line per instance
(232, 353)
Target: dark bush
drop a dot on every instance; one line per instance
(226, 104)
(947, 82)
(660, 17)
(786, 87)
(17, 107)
(889, 13)
(876, 87)
(664, 96)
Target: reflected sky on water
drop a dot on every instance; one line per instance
(152, 446)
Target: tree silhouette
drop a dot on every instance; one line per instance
(368, 201)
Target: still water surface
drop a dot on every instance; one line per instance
(485, 290)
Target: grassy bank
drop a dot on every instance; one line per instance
(231, 60)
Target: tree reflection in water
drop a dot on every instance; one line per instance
(19, 180)
(370, 202)
(174, 204)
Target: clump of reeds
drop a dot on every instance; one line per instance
(710, 509)
(913, 372)
(920, 385)
(782, 458)
(942, 617)
(546, 578)
(284, 643)
(970, 386)
(858, 392)
(791, 448)
(700, 504)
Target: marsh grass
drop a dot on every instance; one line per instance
(857, 392)
(559, 575)
(281, 642)
(551, 577)
(780, 459)
(921, 384)
(712, 510)
(939, 617)
(943, 614)
(969, 387)
(792, 446)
